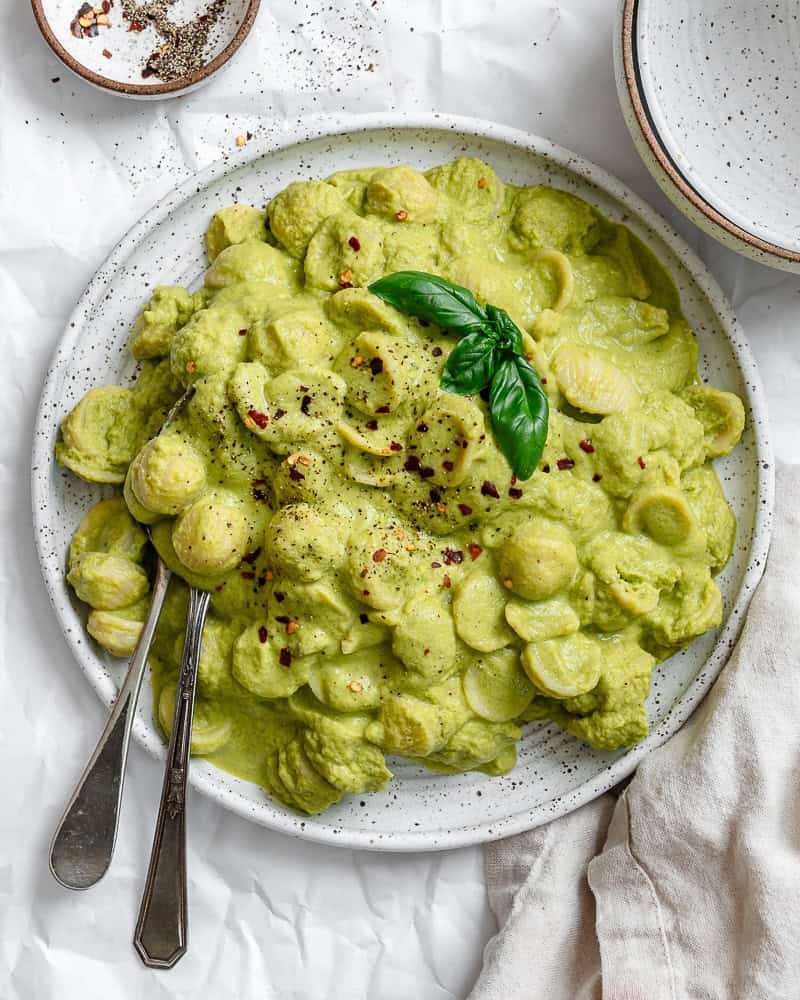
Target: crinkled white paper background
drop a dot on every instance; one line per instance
(270, 917)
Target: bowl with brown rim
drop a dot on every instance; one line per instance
(145, 51)
(708, 91)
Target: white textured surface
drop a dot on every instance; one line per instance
(270, 917)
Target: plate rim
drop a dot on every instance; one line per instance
(319, 127)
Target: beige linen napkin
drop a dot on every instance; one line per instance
(688, 886)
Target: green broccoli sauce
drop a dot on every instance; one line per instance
(381, 582)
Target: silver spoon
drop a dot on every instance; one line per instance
(161, 929)
(83, 844)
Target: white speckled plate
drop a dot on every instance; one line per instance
(419, 810)
(710, 93)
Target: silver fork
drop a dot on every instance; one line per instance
(83, 843)
(84, 840)
(161, 930)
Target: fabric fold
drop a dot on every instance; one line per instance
(688, 886)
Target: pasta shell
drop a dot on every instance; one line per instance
(591, 383)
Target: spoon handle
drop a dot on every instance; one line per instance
(160, 936)
(83, 843)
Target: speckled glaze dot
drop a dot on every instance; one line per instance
(710, 93)
(420, 810)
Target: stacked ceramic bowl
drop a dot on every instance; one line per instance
(710, 94)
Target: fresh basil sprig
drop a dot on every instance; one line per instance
(489, 353)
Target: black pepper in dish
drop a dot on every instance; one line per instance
(182, 51)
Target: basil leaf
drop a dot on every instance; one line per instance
(489, 353)
(519, 411)
(433, 299)
(471, 364)
(506, 328)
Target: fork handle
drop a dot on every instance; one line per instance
(161, 929)
(83, 843)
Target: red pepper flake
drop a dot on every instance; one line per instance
(488, 489)
(596, 477)
(482, 182)
(401, 216)
(448, 466)
(642, 463)
(437, 352)
(262, 634)
(248, 574)
(291, 627)
(354, 243)
(379, 555)
(474, 550)
(106, 53)
(412, 464)
(425, 652)
(395, 446)
(383, 409)
(452, 556)
(586, 445)
(136, 26)
(372, 425)
(465, 509)
(515, 492)
(376, 366)
(364, 572)
(285, 657)
(259, 419)
(446, 581)
(423, 427)
(565, 463)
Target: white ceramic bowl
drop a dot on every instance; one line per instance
(419, 810)
(114, 58)
(709, 91)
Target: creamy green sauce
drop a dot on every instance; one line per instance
(381, 583)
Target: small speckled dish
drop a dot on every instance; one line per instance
(710, 94)
(114, 58)
(419, 810)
